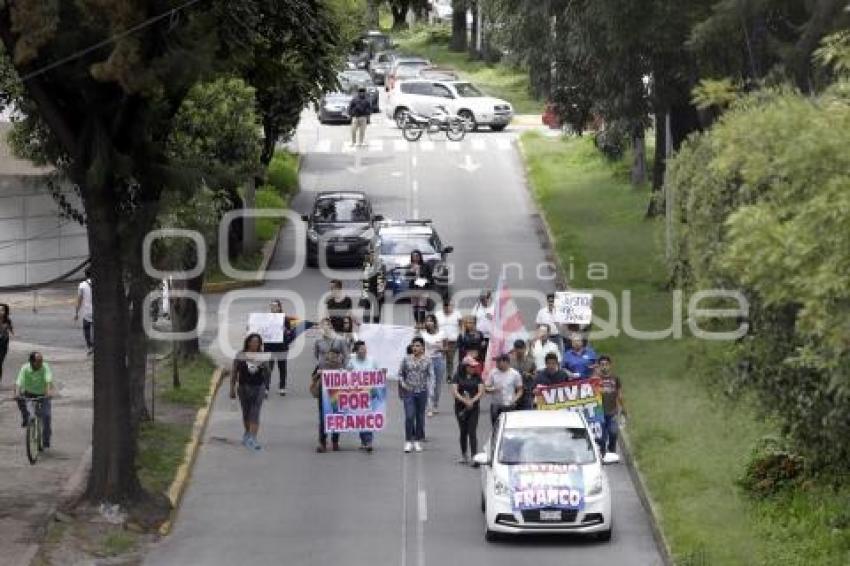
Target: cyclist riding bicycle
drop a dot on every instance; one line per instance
(35, 380)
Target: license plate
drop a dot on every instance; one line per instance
(340, 248)
(550, 515)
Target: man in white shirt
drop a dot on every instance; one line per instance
(541, 345)
(84, 305)
(449, 322)
(505, 383)
(546, 316)
(484, 311)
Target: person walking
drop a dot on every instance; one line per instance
(612, 404)
(505, 383)
(292, 328)
(541, 347)
(333, 359)
(86, 307)
(248, 380)
(329, 341)
(36, 380)
(420, 275)
(359, 109)
(484, 311)
(471, 341)
(338, 305)
(524, 365)
(450, 322)
(361, 361)
(435, 347)
(546, 316)
(415, 373)
(467, 390)
(580, 359)
(7, 331)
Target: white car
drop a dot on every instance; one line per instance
(459, 97)
(541, 472)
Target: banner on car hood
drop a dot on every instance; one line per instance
(550, 486)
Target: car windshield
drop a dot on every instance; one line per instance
(546, 445)
(403, 245)
(408, 70)
(357, 76)
(467, 90)
(341, 210)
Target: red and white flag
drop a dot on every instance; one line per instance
(507, 326)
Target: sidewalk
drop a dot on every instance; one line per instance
(28, 494)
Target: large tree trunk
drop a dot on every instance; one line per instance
(399, 12)
(473, 30)
(823, 17)
(113, 473)
(185, 316)
(659, 165)
(137, 351)
(458, 42)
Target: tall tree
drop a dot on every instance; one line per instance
(458, 42)
(101, 81)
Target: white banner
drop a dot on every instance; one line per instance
(573, 308)
(269, 325)
(386, 344)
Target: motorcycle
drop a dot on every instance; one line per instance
(441, 121)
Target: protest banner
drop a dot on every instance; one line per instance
(576, 395)
(547, 486)
(573, 308)
(269, 325)
(354, 400)
(387, 344)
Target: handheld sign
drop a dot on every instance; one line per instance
(354, 400)
(583, 395)
(269, 325)
(573, 308)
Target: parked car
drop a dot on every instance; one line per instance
(407, 66)
(389, 255)
(438, 74)
(367, 45)
(333, 108)
(459, 97)
(342, 225)
(379, 66)
(352, 81)
(541, 472)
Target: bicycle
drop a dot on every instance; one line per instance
(440, 121)
(34, 438)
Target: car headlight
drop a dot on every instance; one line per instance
(501, 489)
(596, 485)
(313, 235)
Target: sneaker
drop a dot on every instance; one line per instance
(335, 446)
(46, 445)
(89, 351)
(267, 393)
(245, 438)
(250, 443)
(368, 448)
(417, 446)
(463, 460)
(256, 445)
(408, 446)
(321, 448)
(282, 391)
(435, 411)
(430, 413)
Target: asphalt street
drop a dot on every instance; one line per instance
(289, 505)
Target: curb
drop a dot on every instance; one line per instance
(259, 279)
(184, 472)
(527, 120)
(634, 472)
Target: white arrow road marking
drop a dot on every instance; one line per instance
(468, 165)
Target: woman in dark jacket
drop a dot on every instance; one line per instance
(419, 274)
(249, 373)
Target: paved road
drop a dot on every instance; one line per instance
(289, 505)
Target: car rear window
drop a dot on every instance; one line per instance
(546, 445)
(404, 245)
(341, 210)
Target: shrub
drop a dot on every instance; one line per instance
(282, 173)
(771, 470)
(268, 196)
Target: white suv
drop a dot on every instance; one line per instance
(459, 97)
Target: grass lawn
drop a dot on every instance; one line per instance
(691, 442)
(496, 80)
(162, 443)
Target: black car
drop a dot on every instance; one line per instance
(333, 107)
(341, 224)
(352, 81)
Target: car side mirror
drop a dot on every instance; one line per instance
(481, 459)
(378, 218)
(305, 218)
(448, 249)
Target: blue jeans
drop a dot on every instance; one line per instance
(435, 385)
(365, 437)
(610, 428)
(414, 415)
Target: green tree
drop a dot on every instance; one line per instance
(101, 83)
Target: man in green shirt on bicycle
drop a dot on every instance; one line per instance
(35, 380)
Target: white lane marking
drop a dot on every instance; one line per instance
(469, 165)
(404, 510)
(414, 160)
(503, 143)
(396, 174)
(453, 146)
(400, 146)
(415, 186)
(478, 144)
(427, 145)
(415, 214)
(324, 146)
(423, 506)
(423, 513)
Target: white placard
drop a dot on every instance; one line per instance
(269, 325)
(573, 308)
(386, 344)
